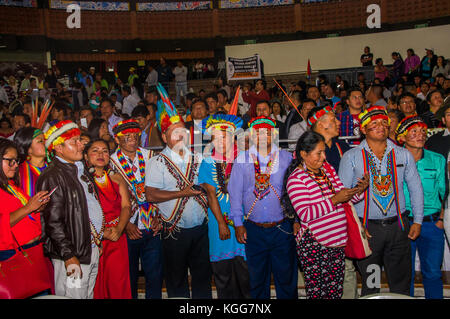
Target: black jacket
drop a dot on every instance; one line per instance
(65, 220)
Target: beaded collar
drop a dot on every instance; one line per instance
(138, 187)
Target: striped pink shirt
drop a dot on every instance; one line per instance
(317, 213)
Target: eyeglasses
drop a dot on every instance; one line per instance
(11, 161)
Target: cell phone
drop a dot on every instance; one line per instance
(83, 122)
(53, 190)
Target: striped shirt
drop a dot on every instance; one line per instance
(327, 222)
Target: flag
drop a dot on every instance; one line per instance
(116, 75)
(308, 71)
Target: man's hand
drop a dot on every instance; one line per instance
(414, 231)
(241, 234)
(156, 225)
(133, 232)
(72, 265)
(224, 231)
(363, 183)
(189, 191)
(440, 224)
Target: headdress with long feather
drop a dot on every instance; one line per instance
(166, 114)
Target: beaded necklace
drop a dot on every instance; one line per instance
(262, 181)
(384, 188)
(321, 179)
(138, 187)
(96, 235)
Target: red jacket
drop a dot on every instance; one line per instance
(252, 98)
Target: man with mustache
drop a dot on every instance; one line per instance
(172, 184)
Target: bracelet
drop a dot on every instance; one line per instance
(440, 219)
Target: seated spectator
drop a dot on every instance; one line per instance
(440, 142)
(350, 122)
(313, 93)
(278, 112)
(395, 116)
(392, 103)
(424, 89)
(329, 91)
(441, 67)
(6, 129)
(375, 96)
(86, 116)
(212, 102)
(222, 101)
(19, 120)
(381, 72)
(301, 127)
(407, 104)
(435, 101)
(129, 101)
(150, 135)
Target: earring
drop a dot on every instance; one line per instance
(28, 158)
(92, 170)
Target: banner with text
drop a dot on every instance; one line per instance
(243, 69)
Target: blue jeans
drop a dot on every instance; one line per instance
(181, 90)
(148, 249)
(430, 245)
(271, 250)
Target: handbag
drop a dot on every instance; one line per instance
(357, 243)
(25, 274)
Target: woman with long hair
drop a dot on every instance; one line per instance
(98, 129)
(316, 194)
(32, 156)
(20, 221)
(113, 279)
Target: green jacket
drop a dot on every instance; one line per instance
(431, 168)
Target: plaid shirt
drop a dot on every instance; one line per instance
(347, 127)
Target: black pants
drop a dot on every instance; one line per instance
(391, 249)
(190, 250)
(231, 278)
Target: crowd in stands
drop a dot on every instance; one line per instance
(130, 188)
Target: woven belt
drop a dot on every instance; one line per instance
(267, 225)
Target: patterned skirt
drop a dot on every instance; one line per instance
(323, 268)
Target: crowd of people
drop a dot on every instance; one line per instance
(232, 185)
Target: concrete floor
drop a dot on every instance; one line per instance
(418, 290)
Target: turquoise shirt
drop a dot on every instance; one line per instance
(431, 168)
